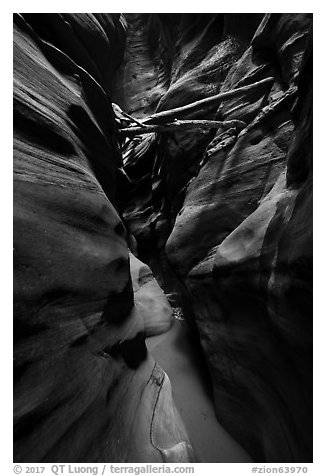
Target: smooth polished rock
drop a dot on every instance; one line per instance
(230, 214)
(85, 387)
(150, 300)
(252, 300)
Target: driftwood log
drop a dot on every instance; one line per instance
(166, 121)
(180, 125)
(167, 116)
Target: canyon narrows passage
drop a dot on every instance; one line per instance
(162, 237)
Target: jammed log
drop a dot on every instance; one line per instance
(171, 114)
(181, 125)
(124, 116)
(132, 119)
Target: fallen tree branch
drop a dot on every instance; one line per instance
(181, 125)
(167, 116)
(124, 116)
(133, 119)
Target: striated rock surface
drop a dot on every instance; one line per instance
(143, 77)
(85, 387)
(229, 216)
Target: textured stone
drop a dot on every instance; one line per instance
(85, 387)
(230, 215)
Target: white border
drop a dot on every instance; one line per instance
(319, 466)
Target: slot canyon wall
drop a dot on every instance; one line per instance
(85, 387)
(228, 214)
(223, 219)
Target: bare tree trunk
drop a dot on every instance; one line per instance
(180, 125)
(167, 116)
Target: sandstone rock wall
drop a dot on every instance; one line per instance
(85, 387)
(229, 215)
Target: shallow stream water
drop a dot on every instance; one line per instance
(176, 352)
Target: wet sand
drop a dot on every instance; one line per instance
(177, 354)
